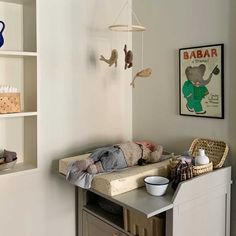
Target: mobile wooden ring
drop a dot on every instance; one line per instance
(127, 28)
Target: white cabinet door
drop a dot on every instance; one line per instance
(201, 218)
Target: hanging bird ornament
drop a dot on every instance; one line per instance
(143, 74)
(113, 58)
(128, 58)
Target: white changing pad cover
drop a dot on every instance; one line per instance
(122, 181)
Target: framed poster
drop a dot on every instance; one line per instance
(201, 87)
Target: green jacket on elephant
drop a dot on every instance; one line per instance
(194, 95)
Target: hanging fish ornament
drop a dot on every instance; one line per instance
(1, 31)
(143, 74)
(113, 58)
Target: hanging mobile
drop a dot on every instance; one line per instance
(145, 72)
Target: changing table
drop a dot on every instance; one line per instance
(199, 206)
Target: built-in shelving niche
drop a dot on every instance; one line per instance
(19, 134)
(18, 68)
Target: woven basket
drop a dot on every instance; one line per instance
(202, 169)
(9, 103)
(215, 150)
(197, 170)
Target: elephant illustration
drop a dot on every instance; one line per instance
(194, 89)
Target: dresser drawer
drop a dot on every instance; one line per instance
(93, 226)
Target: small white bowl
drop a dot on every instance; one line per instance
(156, 185)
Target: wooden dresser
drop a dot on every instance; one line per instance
(199, 206)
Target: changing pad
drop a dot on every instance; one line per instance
(120, 181)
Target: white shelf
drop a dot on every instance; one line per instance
(18, 54)
(143, 202)
(18, 168)
(14, 1)
(18, 114)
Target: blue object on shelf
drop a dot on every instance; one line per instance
(1, 36)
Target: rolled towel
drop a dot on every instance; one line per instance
(9, 156)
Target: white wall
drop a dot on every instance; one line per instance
(82, 104)
(173, 25)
